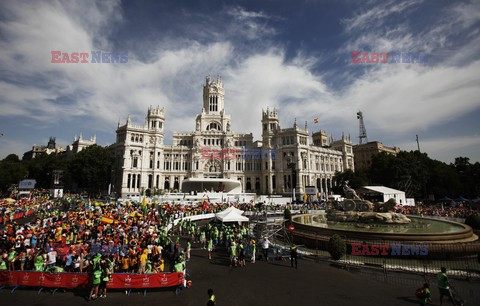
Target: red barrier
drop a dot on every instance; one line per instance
(74, 280)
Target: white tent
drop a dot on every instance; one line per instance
(232, 216)
(228, 210)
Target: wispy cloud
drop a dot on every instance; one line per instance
(376, 13)
(250, 24)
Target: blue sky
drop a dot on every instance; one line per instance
(293, 55)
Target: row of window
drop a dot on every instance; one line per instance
(287, 140)
(273, 126)
(186, 142)
(213, 142)
(213, 103)
(136, 138)
(154, 124)
(240, 143)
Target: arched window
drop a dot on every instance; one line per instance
(214, 126)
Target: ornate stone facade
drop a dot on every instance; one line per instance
(143, 163)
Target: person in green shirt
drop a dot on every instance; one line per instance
(12, 256)
(211, 298)
(178, 267)
(106, 275)
(96, 279)
(3, 264)
(148, 267)
(188, 249)
(96, 261)
(210, 248)
(39, 263)
(444, 286)
(424, 297)
(233, 254)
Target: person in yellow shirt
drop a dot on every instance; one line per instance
(143, 261)
(162, 265)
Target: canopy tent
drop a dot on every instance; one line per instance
(461, 199)
(228, 210)
(232, 216)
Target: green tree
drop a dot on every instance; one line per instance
(42, 166)
(12, 171)
(336, 247)
(355, 180)
(91, 169)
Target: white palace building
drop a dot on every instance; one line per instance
(214, 158)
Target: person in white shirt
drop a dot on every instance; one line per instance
(52, 258)
(265, 246)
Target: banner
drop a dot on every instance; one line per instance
(18, 215)
(74, 280)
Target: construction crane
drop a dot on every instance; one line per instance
(363, 132)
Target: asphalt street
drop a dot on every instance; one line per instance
(262, 283)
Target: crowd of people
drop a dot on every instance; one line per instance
(460, 210)
(125, 237)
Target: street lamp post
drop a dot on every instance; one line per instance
(291, 165)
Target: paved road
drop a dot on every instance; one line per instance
(272, 283)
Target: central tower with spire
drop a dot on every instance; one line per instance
(213, 96)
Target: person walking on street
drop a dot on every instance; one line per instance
(293, 255)
(211, 298)
(254, 249)
(265, 246)
(188, 250)
(423, 295)
(444, 286)
(210, 248)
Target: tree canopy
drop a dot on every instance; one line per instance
(418, 175)
(89, 170)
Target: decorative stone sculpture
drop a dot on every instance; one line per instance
(350, 193)
(367, 217)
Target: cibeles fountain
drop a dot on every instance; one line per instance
(354, 209)
(354, 219)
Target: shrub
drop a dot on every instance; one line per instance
(473, 221)
(337, 247)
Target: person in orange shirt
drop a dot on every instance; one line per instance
(125, 264)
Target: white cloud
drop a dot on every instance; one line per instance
(395, 98)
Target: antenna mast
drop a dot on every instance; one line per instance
(363, 132)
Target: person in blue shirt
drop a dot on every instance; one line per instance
(33, 241)
(69, 261)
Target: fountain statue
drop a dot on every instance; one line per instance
(355, 209)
